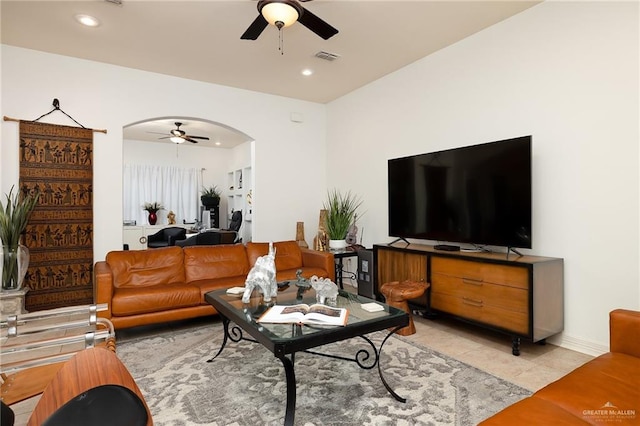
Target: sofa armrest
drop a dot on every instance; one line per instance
(319, 259)
(624, 332)
(103, 287)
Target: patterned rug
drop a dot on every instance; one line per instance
(246, 385)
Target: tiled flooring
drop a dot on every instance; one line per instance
(537, 365)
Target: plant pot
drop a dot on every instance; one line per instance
(13, 268)
(153, 218)
(210, 201)
(337, 245)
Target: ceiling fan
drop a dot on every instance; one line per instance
(283, 13)
(178, 135)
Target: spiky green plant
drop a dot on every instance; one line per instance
(341, 211)
(152, 207)
(13, 221)
(14, 216)
(211, 191)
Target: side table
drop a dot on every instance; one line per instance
(338, 257)
(12, 302)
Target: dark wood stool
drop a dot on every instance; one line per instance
(398, 293)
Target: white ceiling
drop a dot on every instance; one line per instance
(200, 40)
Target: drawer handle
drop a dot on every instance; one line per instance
(472, 302)
(472, 281)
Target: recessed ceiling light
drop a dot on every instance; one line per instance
(307, 72)
(87, 20)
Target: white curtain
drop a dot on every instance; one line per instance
(176, 189)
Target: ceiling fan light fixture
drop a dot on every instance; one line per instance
(280, 13)
(176, 139)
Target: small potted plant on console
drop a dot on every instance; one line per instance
(210, 196)
(341, 211)
(152, 209)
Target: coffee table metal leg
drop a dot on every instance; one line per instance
(384, 382)
(225, 324)
(291, 390)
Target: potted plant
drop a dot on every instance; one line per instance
(13, 221)
(341, 211)
(210, 196)
(152, 209)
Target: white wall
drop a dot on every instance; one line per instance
(103, 96)
(564, 72)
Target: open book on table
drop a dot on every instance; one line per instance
(305, 314)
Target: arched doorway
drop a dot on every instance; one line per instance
(160, 168)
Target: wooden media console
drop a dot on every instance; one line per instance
(521, 296)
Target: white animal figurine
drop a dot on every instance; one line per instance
(326, 290)
(262, 276)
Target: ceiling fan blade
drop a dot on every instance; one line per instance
(187, 138)
(166, 137)
(316, 24)
(157, 133)
(255, 29)
(197, 137)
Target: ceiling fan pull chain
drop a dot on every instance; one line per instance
(280, 41)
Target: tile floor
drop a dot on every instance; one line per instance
(536, 366)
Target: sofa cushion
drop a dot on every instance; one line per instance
(533, 411)
(223, 261)
(218, 284)
(288, 254)
(142, 268)
(610, 378)
(142, 300)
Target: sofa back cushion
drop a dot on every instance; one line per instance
(222, 261)
(288, 254)
(142, 268)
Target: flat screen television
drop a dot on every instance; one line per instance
(478, 194)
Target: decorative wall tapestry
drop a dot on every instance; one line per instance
(57, 161)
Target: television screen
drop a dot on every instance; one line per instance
(479, 194)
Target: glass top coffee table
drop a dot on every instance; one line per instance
(284, 340)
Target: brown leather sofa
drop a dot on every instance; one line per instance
(151, 286)
(605, 390)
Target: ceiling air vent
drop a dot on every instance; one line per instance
(327, 56)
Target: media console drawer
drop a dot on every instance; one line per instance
(481, 311)
(480, 272)
(488, 294)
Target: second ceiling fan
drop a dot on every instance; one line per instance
(178, 135)
(281, 14)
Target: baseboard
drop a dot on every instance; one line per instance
(578, 345)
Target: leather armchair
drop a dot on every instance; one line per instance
(166, 237)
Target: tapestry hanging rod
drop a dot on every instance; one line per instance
(56, 107)
(18, 120)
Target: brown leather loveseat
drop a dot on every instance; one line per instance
(151, 286)
(605, 390)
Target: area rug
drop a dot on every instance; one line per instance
(246, 385)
